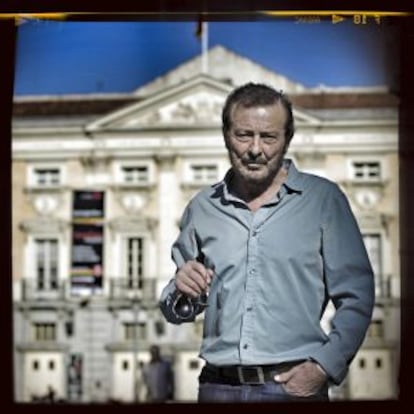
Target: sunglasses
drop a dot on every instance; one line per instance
(184, 306)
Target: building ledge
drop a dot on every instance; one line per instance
(42, 347)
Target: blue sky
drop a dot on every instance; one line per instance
(57, 57)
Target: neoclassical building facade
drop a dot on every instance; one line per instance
(99, 184)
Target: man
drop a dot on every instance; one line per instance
(158, 377)
(267, 248)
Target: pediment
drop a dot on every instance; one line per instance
(193, 103)
(223, 64)
(197, 102)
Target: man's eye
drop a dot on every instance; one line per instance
(243, 136)
(269, 139)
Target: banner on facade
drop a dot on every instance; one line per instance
(87, 241)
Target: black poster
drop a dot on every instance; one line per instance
(87, 241)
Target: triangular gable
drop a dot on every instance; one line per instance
(225, 65)
(197, 101)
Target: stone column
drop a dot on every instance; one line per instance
(167, 200)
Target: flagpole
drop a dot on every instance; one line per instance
(204, 47)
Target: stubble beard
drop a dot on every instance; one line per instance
(255, 182)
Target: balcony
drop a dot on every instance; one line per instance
(32, 290)
(387, 290)
(119, 289)
(123, 289)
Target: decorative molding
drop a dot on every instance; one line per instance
(92, 161)
(133, 197)
(43, 347)
(49, 189)
(44, 225)
(364, 193)
(133, 224)
(45, 204)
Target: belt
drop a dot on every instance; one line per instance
(243, 374)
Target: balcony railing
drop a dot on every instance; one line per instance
(117, 288)
(122, 288)
(32, 290)
(385, 289)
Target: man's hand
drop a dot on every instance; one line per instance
(193, 278)
(303, 380)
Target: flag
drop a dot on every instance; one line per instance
(201, 33)
(199, 28)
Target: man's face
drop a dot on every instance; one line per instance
(256, 142)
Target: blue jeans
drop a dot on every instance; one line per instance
(270, 391)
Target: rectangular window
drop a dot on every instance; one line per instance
(44, 332)
(45, 177)
(135, 174)
(373, 245)
(193, 364)
(204, 173)
(376, 329)
(135, 330)
(366, 170)
(135, 262)
(46, 264)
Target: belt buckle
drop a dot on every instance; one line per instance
(242, 371)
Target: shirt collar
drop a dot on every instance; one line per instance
(293, 183)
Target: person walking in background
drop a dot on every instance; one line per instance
(158, 377)
(262, 253)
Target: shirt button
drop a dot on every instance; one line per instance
(245, 346)
(252, 271)
(249, 309)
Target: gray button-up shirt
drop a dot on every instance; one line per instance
(275, 270)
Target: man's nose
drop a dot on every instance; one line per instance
(256, 145)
